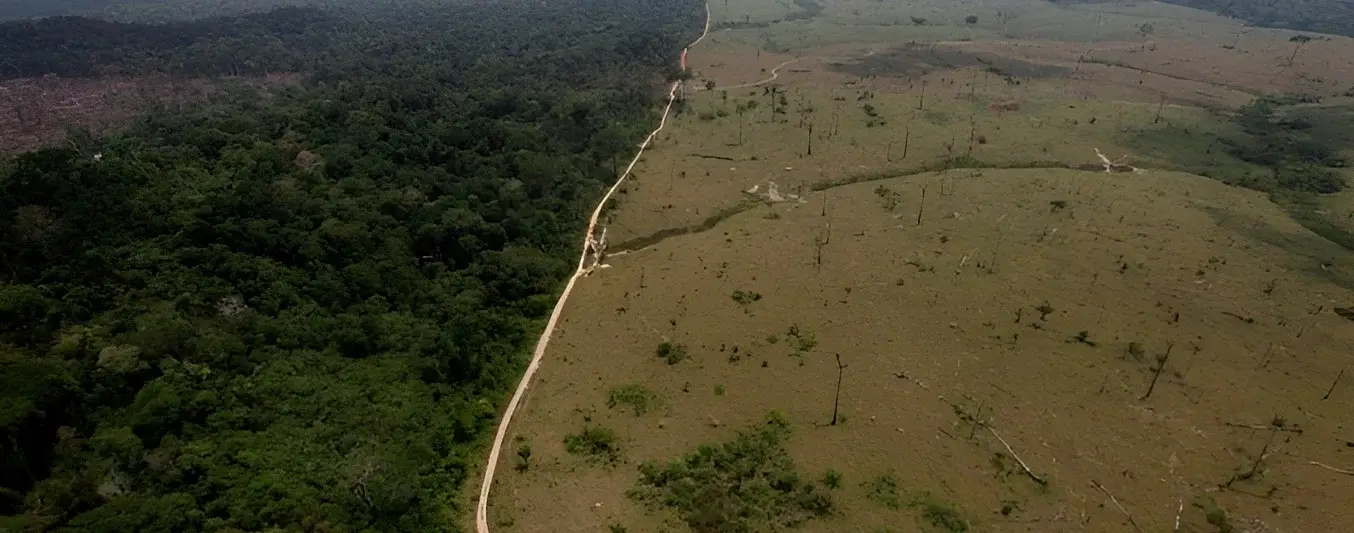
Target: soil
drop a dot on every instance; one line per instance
(946, 312)
(1038, 301)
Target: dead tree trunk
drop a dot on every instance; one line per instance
(921, 206)
(1333, 384)
(1161, 365)
(740, 125)
(836, 399)
(972, 133)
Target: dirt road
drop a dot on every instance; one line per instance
(775, 73)
(482, 507)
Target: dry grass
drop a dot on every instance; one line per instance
(910, 305)
(1041, 303)
(699, 168)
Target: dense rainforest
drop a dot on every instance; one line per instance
(1335, 17)
(158, 10)
(299, 309)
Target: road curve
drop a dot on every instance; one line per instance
(482, 507)
(775, 73)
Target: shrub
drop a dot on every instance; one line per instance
(673, 353)
(745, 485)
(523, 457)
(746, 297)
(832, 479)
(943, 516)
(1310, 178)
(596, 444)
(803, 340)
(633, 396)
(884, 490)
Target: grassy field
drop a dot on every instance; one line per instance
(1127, 268)
(895, 289)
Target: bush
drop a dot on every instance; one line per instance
(832, 479)
(1310, 178)
(944, 517)
(746, 485)
(673, 353)
(746, 297)
(633, 396)
(884, 491)
(523, 457)
(596, 444)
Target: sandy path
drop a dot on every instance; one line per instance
(482, 508)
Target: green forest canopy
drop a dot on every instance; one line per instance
(165, 10)
(299, 310)
(1335, 17)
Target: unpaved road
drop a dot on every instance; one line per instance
(775, 73)
(482, 508)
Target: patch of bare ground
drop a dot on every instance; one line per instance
(38, 112)
(1145, 343)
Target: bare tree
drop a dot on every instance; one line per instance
(921, 206)
(1300, 40)
(1161, 365)
(1145, 30)
(836, 400)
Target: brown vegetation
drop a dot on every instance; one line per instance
(39, 112)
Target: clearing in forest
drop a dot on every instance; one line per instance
(1026, 268)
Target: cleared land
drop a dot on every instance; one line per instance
(40, 112)
(1154, 346)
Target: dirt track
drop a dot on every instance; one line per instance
(482, 507)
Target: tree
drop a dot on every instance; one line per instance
(836, 398)
(971, 19)
(1299, 40)
(1146, 30)
(288, 311)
